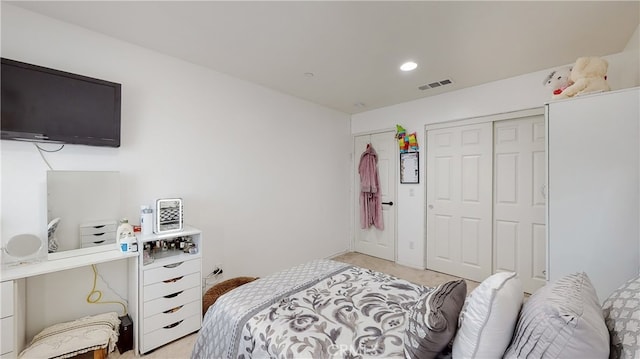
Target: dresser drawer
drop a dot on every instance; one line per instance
(6, 294)
(171, 271)
(98, 227)
(6, 335)
(162, 304)
(172, 286)
(171, 332)
(171, 316)
(97, 237)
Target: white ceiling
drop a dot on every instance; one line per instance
(354, 49)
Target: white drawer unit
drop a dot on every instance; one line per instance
(98, 233)
(7, 328)
(170, 294)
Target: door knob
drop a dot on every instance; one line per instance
(430, 206)
(388, 203)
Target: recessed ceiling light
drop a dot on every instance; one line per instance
(408, 66)
(308, 74)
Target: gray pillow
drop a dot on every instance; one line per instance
(561, 320)
(622, 316)
(432, 322)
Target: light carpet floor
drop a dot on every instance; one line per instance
(181, 348)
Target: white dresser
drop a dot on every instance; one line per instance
(170, 294)
(7, 326)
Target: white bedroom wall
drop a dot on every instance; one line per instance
(633, 46)
(512, 94)
(634, 41)
(266, 176)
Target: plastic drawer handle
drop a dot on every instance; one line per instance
(98, 242)
(173, 325)
(100, 226)
(174, 294)
(173, 265)
(98, 234)
(172, 280)
(173, 310)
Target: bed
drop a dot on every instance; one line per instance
(318, 309)
(327, 309)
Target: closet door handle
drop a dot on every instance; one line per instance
(388, 203)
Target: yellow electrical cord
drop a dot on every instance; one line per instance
(94, 291)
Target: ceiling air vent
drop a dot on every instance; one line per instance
(435, 84)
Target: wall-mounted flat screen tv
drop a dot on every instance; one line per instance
(45, 105)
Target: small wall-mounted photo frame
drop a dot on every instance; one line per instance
(410, 167)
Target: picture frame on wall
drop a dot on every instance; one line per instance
(410, 167)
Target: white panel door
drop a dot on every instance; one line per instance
(519, 234)
(459, 184)
(372, 241)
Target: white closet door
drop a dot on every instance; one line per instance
(519, 235)
(459, 200)
(372, 241)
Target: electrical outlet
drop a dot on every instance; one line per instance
(217, 269)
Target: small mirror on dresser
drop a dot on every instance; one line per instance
(82, 211)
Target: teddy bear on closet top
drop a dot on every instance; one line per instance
(588, 75)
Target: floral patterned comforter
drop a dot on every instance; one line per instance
(346, 312)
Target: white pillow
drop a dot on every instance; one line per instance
(488, 317)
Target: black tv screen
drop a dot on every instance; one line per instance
(45, 105)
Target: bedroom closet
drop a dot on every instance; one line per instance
(486, 197)
(594, 191)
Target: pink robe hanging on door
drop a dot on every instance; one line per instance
(370, 205)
